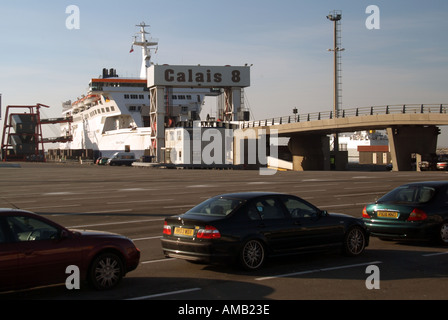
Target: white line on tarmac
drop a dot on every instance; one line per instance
(62, 206)
(160, 260)
(181, 206)
(139, 201)
(147, 238)
(317, 270)
(113, 223)
(358, 194)
(342, 205)
(164, 294)
(93, 212)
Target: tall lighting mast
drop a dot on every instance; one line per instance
(336, 17)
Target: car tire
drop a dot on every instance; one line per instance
(252, 255)
(106, 271)
(443, 233)
(354, 241)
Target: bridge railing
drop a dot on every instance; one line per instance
(355, 112)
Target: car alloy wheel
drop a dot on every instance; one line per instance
(443, 234)
(107, 271)
(252, 255)
(355, 241)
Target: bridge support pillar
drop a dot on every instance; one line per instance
(406, 140)
(310, 152)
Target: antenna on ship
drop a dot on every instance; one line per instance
(146, 45)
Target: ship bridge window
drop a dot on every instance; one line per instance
(133, 96)
(134, 108)
(96, 87)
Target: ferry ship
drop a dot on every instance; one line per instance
(113, 115)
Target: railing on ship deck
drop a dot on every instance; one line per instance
(356, 112)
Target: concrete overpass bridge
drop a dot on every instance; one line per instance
(410, 129)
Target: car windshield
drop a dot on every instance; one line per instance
(216, 207)
(409, 194)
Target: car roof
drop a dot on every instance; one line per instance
(247, 195)
(12, 210)
(429, 183)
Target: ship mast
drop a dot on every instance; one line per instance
(146, 45)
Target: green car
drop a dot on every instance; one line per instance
(415, 211)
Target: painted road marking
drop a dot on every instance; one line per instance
(317, 270)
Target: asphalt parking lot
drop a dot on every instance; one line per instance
(134, 201)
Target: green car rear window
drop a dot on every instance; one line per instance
(409, 194)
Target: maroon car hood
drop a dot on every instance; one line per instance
(94, 233)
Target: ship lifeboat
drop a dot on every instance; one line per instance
(79, 103)
(91, 98)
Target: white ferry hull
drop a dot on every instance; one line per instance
(105, 145)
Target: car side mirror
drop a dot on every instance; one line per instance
(63, 234)
(323, 213)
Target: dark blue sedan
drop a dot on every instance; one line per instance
(249, 227)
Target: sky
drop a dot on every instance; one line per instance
(405, 61)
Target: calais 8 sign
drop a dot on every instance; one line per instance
(198, 76)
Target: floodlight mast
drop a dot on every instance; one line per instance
(336, 17)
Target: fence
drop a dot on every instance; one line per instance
(355, 112)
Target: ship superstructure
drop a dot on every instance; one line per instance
(113, 115)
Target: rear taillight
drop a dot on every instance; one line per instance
(166, 228)
(364, 213)
(209, 232)
(417, 215)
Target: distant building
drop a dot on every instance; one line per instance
(374, 155)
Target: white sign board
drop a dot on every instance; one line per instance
(199, 76)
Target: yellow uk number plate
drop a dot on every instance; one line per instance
(387, 214)
(183, 232)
